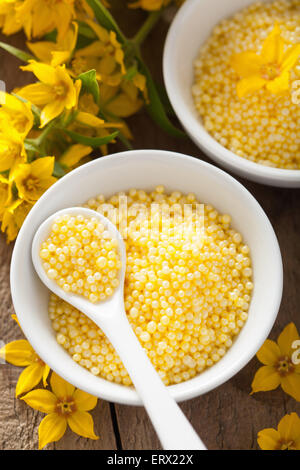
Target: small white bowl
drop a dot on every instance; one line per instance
(146, 169)
(189, 30)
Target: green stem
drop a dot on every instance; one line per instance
(41, 138)
(39, 142)
(149, 24)
(124, 141)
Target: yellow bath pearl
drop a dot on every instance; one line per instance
(71, 258)
(186, 301)
(261, 126)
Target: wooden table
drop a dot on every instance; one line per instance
(226, 418)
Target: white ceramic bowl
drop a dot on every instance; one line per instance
(145, 169)
(190, 28)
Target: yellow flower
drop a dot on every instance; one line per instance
(122, 102)
(15, 113)
(74, 154)
(105, 55)
(5, 194)
(150, 5)
(42, 16)
(33, 179)
(8, 21)
(64, 406)
(21, 354)
(55, 91)
(279, 368)
(13, 218)
(12, 150)
(270, 69)
(56, 53)
(286, 437)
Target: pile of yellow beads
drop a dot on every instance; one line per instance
(82, 257)
(187, 292)
(262, 127)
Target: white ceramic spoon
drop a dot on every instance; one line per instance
(173, 429)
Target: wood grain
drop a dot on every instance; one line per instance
(226, 418)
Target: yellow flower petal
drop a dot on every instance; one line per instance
(279, 84)
(84, 401)
(291, 385)
(45, 375)
(266, 378)
(42, 50)
(286, 339)
(51, 429)
(89, 119)
(107, 65)
(60, 387)
(44, 72)
(74, 154)
(290, 58)
(268, 439)
(41, 400)
(249, 85)
(269, 353)
(59, 57)
(82, 423)
(29, 378)
(246, 64)
(9, 225)
(14, 317)
(123, 106)
(51, 111)
(139, 81)
(19, 353)
(43, 167)
(37, 93)
(289, 427)
(101, 32)
(272, 49)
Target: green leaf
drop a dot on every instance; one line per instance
(92, 141)
(14, 191)
(85, 30)
(125, 141)
(90, 84)
(22, 55)
(30, 146)
(155, 107)
(105, 19)
(83, 41)
(59, 170)
(85, 35)
(52, 36)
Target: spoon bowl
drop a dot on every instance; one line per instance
(93, 311)
(172, 427)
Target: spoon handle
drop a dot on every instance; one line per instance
(172, 427)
